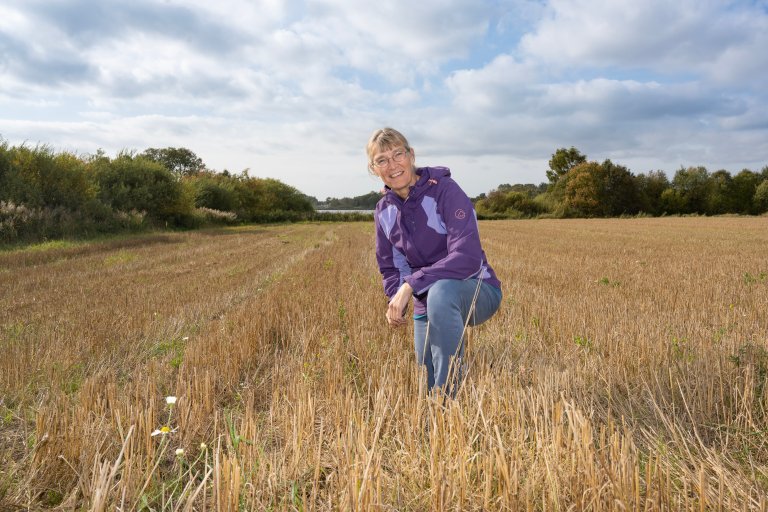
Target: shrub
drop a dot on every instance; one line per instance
(215, 192)
(350, 216)
(22, 223)
(508, 204)
(134, 183)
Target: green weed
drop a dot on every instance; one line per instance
(119, 258)
(583, 342)
(750, 279)
(755, 357)
(680, 348)
(51, 245)
(604, 281)
(173, 348)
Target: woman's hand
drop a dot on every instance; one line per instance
(398, 305)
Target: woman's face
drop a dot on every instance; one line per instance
(395, 168)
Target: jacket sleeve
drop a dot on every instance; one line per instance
(392, 264)
(465, 254)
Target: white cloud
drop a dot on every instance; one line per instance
(676, 38)
(501, 86)
(598, 112)
(404, 97)
(13, 21)
(416, 30)
(399, 40)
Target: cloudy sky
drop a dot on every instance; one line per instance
(292, 89)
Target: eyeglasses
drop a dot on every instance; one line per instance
(397, 157)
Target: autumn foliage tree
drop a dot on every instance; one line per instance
(583, 190)
(599, 190)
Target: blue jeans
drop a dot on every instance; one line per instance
(448, 305)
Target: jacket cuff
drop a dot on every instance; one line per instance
(416, 281)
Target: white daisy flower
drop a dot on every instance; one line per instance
(163, 431)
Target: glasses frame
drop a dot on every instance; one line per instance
(382, 162)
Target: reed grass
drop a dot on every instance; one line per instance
(625, 370)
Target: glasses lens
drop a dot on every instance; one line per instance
(398, 156)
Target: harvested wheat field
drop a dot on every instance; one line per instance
(626, 370)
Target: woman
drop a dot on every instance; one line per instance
(428, 247)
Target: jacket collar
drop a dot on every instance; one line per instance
(415, 192)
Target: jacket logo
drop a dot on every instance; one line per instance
(460, 214)
(432, 181)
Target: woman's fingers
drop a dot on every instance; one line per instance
(398, 305)
(395, 317)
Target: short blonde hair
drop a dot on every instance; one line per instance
(384, 139)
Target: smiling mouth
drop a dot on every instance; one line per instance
(395, 175)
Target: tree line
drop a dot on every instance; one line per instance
(580, 188)
(48, 195)
(365, 202)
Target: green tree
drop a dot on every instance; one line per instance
(745, 185)
(672, 202)
(135, 183)
(365, 202)
(250, 194)
(39, 178)
(180, 161)
(649, 188)
(6, 177)
(692, 186)
(619, 193)
(760, 201)
(720, 194)
(23, 180)
(528, 189)
(562, 161)
(269, 200)
(72, 186)
(508, 203)
(283, 197)
(216, 191)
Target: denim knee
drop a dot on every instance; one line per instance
(444, 295)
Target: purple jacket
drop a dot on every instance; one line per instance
(430, 235)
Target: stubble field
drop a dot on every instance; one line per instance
(626, 370)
